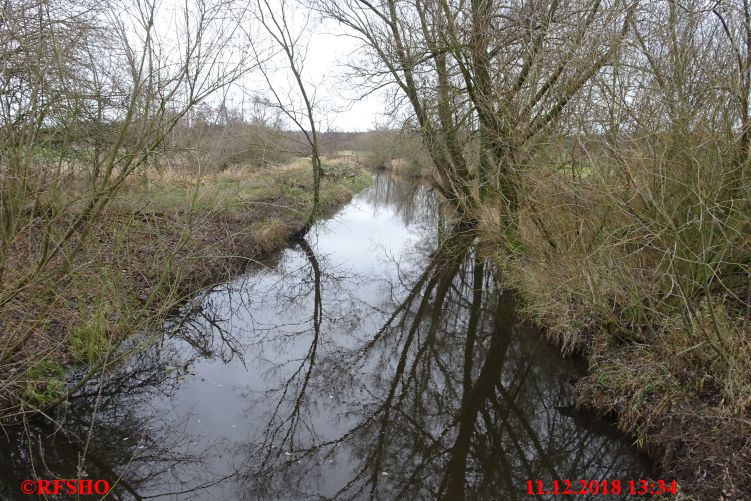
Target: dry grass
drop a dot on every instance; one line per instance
(407, 168)
(644, 269)
(169, 233)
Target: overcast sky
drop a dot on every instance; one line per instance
(341, 106)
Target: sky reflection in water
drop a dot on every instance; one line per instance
(376, 360)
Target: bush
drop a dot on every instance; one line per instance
(644, 265)
(400, 151)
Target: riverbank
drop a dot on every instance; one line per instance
(381, 310)
(168, 234)
(646, 277)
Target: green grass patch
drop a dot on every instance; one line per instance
(44, 383)
(237, 188)
(89, 341)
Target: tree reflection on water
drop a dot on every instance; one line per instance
(449, 398)
(354, 370)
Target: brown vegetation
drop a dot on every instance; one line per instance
(605, 148)
(644, 269)
(169, 234)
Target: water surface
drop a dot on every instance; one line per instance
(376, 360)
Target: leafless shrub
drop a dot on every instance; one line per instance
(90, 91)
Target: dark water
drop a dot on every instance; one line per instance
(375, 360)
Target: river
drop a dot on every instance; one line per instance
(374, 359)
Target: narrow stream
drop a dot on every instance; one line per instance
(374, 360)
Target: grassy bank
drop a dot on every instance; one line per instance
(643, 267)
(170, 232)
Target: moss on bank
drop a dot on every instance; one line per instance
(169, 234)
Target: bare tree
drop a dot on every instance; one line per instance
(289, 41)
(89, 93)
(492, 75)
